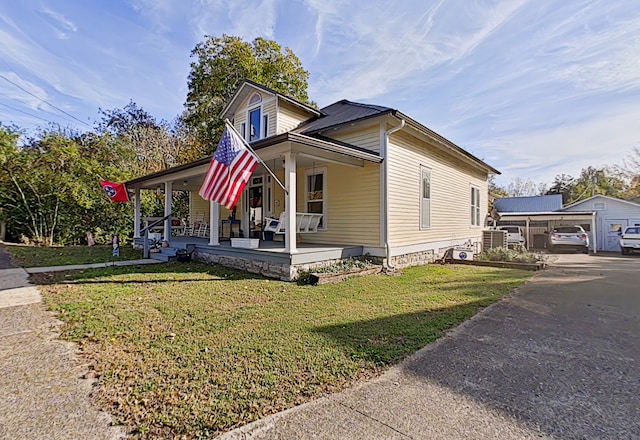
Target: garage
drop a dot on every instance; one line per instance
(612, 216)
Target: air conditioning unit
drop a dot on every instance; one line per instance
(460, 253)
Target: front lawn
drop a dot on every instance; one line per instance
(195, 350)
(40, 256)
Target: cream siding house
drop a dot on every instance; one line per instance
(380, 183)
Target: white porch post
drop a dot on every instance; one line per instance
(528, 243)
(214, 214)
(290, 202)
(168, 201)
(137, 208)
(594, 233)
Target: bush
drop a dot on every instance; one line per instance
(517, 255)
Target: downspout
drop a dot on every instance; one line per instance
(385, 195)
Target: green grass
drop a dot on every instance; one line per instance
(195, 350)
(37, 256)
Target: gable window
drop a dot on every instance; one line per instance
(599, 206)
(254, 124)
(425, 198)
(475, 206)
(316, 193)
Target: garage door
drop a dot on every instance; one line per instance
(611, 233)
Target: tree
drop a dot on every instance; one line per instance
(520, 188)
(50, 190)
(156, 145)
(591, 181)
(221, 63)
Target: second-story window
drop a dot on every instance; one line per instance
(254, 125)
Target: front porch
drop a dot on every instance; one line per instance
(270, 259)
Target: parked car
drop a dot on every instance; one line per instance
(630, 240)
(568, 237)
(515, 236)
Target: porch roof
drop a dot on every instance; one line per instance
(316, 148)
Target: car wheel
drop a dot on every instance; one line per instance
(623, 251)
(586, 250)
(550, 248)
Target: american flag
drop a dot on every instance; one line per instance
(229, 170)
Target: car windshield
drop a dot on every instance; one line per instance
(510, 229)
(568, 229)
(632, 231)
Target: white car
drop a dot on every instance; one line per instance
(515, 236)
(630, 240)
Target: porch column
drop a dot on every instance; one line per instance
(214, 214)
(137, 208)
(290, 202)
(168, 201)
(528, 234)
(594, 233)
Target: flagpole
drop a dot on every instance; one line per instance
(246, 144)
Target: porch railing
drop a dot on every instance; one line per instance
(145, 241)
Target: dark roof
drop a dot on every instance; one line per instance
(547, 203)
(340, 113)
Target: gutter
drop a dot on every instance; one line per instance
(385, 165)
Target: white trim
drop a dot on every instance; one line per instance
(477, 211)
(316, 171)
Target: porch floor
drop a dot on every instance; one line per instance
(269, 250)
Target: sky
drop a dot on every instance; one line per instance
(535, 88)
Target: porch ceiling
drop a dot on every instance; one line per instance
(309, 152)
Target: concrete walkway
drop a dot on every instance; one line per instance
(558, 359)
(42, 393)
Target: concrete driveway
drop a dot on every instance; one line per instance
(559, 359)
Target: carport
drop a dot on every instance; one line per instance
(536, 222)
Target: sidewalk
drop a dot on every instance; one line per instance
(42, 393)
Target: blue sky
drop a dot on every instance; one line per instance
(535, 88)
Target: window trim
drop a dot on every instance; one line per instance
(311, 171)
(475, 209)
(425, 226)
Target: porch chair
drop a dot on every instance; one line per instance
(275, 225)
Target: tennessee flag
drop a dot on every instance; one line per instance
(117, 192)
(229, 170)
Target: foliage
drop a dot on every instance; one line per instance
(156, 145)
(591, 181)
(519, 187)
(221, 63)
(517, 254)
(193, 350)
(50, 186)
(32, 256)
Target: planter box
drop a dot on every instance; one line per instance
(506, 264)
(329, 277)
(246, 243)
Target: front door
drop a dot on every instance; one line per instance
(255, 206)
(611, 233)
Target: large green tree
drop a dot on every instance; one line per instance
(591, 181)
(50, 191)
(221, 63)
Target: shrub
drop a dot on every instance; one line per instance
(517, 255)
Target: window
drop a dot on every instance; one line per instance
(475, 206)
(599, 206)
(316, 193)
(243, 130)
(425, 198)
(254, 125)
